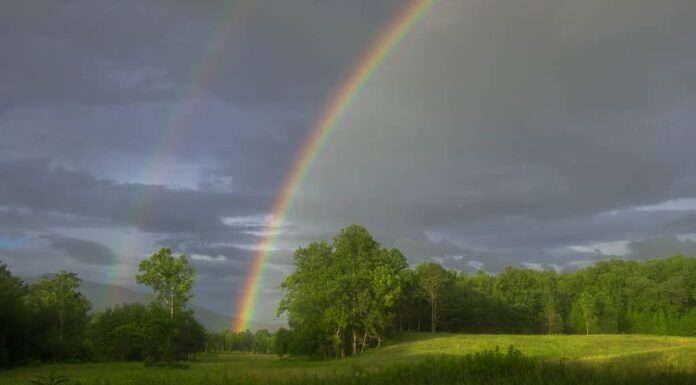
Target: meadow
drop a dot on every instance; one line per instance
(420, 359)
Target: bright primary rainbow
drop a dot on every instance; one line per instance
(328, 120)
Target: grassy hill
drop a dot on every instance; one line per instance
(635, 359)
(569, 347)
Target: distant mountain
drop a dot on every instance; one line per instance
(103, 296)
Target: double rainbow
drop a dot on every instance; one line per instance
(327, 122)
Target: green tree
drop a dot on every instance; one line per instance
(171, 278)
(263, 342)
(282, 341)
(122, 333)
(432, 279)
(60, 296)
(587, 307)
(342, 295)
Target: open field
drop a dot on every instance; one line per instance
(602, 356)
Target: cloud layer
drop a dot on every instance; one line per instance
(537, 133)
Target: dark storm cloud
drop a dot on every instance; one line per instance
(81, 51)
(84, 251)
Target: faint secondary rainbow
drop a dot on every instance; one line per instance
(172, 133)
(328, 120)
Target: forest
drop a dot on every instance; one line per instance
(49, 320)
(352, 294)
(346, 297)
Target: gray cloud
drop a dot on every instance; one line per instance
(661, 247)
(517, 129)
(37, 185)
(527, 133)
(256, 51)
(84, 251)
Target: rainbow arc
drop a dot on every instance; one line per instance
(342, 99)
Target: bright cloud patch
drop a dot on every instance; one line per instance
(201, 257)
(248, 221)
(603, 248)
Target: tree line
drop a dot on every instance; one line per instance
(343, 298)
(48, 320)
(262, 341)
(349, 295)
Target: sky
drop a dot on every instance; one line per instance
(546, 134)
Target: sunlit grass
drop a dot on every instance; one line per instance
(545, 346)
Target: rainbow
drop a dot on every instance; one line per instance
(327, 122)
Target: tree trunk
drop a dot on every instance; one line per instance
(364, 342)
(61, 317)
(433, 313)
(61, 323)
(355, 343)
(418, 330)
(338, 344)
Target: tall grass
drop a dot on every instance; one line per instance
(488, 367)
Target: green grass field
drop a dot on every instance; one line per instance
(601, 356)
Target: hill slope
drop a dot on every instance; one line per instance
(595, 348)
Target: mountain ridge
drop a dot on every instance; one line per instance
(103, 296)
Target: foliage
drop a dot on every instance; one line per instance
(616, 296)
(13, 319)
(347, 295)
(176, 333)
(432, 279)
(59, 315)
(342, 295)
(171, 278)
(124, 333)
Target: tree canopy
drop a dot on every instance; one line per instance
(342, 295)
(171, 278)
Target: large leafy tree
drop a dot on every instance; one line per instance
(171, 278)
(342, 295)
